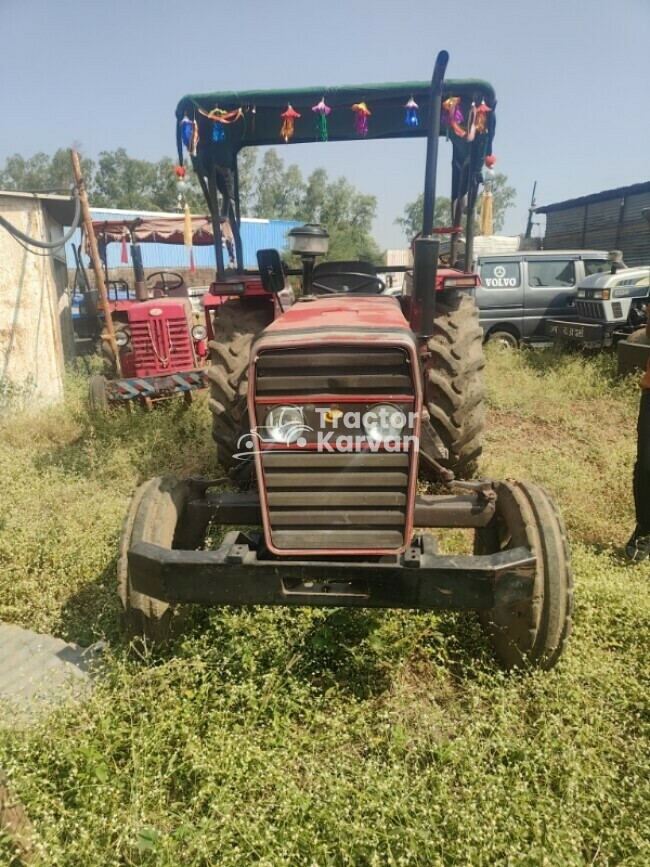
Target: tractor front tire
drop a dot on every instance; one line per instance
(532, 633)
(236, 326)
(155, 515)
(97, 397)
(453, 381)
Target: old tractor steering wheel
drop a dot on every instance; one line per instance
(366, 280)
(167, 285)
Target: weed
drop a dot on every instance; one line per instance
(290, 737)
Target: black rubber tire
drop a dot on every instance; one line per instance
(155, 515)
(533, 633)
(236, 325)
(505, 338)
(453, 382)
(97, 397)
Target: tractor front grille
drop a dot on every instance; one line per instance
(346, 500)
(590, 310)
(336, 501)
(162, 345)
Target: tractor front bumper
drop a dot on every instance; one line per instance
(242, 572)
(155, 386)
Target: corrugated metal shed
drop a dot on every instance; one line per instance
(608, 220)
(256, 235)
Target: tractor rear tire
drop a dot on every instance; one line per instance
(453, 381)
(532, 633)
(97, 397)
(155, 516)
(236, 326)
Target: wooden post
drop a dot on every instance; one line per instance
(94, 255)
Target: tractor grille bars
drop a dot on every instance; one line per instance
(347, 500)
(162, 345)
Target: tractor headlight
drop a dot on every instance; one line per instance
(199, 332)
(383, 422)
(122, 337)
(284, 424)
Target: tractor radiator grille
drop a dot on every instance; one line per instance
(335, 371)
(590, 310)
(348, 500)
(330, 501)
(161, 346)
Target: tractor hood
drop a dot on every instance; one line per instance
(375, 314)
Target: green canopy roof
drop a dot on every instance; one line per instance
(261, 120)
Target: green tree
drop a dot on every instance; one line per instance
(42, 172)
(411, 221)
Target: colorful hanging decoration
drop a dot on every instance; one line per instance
(452, 116)
(361, 115)
(471, 122)
(321, 110)
(218, 132)
(124, 258)
(189, 134)
(487, 202)
(180, 172)
(288, 120)
(186, 131)
(412, 118)
(481, 118)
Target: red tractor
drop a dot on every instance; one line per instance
(162, 343)
(336, 404)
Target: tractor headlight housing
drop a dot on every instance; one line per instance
(384, 421)
(284, 424)
(199, 332)
(122, 337)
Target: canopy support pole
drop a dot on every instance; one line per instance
(216, 221)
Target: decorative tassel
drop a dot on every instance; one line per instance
(471, 122)
(453, 116)
(288, 120)
(187, 227)
(481, 118)
(180, 172)
(192, 266)
(412, 117)
(361, 115)
(195, 139)
(218, 132)
(487, 203)
(187, 128)
(321, 111)
(124, 258)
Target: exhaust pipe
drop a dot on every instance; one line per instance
(426, 248)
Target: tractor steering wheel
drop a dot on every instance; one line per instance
(367, 280)
(175, 283)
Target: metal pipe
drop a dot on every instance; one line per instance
(94, 256)
(472, 191)
(433, 136)
(216, 222)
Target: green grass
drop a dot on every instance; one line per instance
(291, 737)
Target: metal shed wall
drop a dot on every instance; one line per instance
(256, 235)
(604, 221)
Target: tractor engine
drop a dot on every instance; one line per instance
(335, 417)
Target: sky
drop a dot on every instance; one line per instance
(571, 78)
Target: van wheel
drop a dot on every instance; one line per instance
(503, 338)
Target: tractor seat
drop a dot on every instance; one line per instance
(346, 277)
